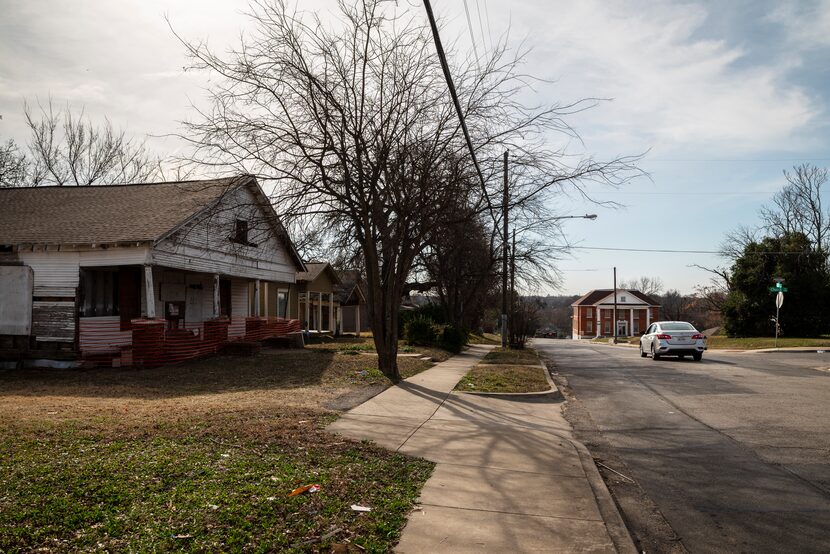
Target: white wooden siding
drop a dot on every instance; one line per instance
(205, 246)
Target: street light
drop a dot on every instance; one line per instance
(586, 216)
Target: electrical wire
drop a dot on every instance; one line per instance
(448, 77)
(669, 251)
(470, 27)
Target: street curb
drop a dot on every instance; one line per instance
(614, 522)
(553, 392)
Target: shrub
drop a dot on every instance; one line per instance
(420, 331)
(453, 338)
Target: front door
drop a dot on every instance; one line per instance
(622, 328)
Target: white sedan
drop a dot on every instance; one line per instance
(672, 338)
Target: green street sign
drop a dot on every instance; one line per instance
(779, 289)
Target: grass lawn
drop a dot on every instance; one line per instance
(503, 378)
(721, 342)
(199, 457)
(355, 345)
(506, 356)
(484, 338)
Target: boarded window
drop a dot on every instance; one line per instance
(99, 292)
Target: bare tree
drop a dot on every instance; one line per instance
(13, 165)
(67, 149)
(353, 124)
(651, 286)
(799, 207)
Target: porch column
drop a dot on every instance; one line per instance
(331, 313)
(598, 321)
(648, 316)
(356, 318)
(150, 292)
(256, 298)
(308, 310)
(216, 302)
(631, 329)
(319, 311)
(265, 297)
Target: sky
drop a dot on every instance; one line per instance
(720, 97)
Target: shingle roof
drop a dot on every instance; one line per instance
(591, 298)
(103, 214)
(314, 271)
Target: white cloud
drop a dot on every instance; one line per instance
(807, 23)
(672, 89)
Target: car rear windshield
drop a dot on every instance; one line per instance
(677, 327)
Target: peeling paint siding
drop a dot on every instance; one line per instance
(53, 321)
(205, 246)
(57, 272)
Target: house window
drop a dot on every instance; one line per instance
(589, 327)
(99, 292)
(607, 328)
(240, 231)
(622, 298)
(590, 313)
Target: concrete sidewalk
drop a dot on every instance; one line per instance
(509, 476)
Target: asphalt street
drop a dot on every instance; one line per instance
(733, 450)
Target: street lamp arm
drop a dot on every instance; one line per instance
(586, 216)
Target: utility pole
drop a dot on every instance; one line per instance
(513, 286)
(615, 305)
(504, 259)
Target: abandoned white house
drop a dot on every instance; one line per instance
(140, 274)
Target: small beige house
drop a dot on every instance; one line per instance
(319, 308)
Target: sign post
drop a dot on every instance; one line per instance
(779, 300)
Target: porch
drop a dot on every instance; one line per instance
(152, 315)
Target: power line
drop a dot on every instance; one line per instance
(470, 27)
(481, 28)
(446, 68)
(669, 251)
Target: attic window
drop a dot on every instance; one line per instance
(622, 298)
(240, 233)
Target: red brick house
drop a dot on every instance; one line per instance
(593, 313)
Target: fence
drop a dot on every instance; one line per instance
(154, 342)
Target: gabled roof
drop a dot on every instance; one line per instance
(118, 214)
(314, 269)
(595, 296)
(350, 283)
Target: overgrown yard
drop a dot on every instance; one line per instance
(199, 457)
(506, 371)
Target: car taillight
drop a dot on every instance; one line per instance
(663, 336)
(698, 336)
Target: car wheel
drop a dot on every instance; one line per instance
(697, 356)
(654, 355)
(642, 352)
